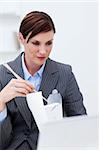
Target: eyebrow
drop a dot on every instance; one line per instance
(39, 41)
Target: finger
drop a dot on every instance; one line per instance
(21, 95)
(21, 91)
(22, 84)
(25, 82)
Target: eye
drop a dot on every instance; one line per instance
(49, 43)
(36, 43)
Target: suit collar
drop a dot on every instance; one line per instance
(16, 65)
(49, 78)
(50, 66)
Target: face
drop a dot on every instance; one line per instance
(38, 48)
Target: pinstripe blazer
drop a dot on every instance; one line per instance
(19, 127)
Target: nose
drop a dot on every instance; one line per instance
(42, 50)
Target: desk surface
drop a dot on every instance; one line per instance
(73, 133)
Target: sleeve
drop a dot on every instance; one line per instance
(5, 121)
(73, 101)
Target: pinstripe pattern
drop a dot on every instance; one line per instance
(55, 76)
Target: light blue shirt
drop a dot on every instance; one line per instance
(3, 114)
(35, 80)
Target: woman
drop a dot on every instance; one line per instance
(18, 130)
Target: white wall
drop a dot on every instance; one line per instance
(76, 41)
(98, 53)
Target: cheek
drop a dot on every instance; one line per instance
(33, 50)
(49, 50)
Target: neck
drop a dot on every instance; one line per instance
(32, 68)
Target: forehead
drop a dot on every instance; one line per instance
(43, 36)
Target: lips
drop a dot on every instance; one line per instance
(41, 58)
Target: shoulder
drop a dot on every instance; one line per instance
(2, 69)
(4, 73)
(3, 76)
(60, 66)
(12, 63)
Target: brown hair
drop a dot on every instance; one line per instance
(36, 22)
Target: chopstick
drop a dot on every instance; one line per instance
(13, 72)
(18, 77)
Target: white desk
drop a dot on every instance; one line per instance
(75, 133)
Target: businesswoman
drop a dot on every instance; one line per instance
(18, 129)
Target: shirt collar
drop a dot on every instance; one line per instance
(27, 75)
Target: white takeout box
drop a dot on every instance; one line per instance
(43, 113)
(53, 111)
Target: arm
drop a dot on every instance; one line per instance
(5, 132)
(13, 89)
(73, 100)
(5, 125)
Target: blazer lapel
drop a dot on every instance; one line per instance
(24, 110)
(20, 101)
(49, 78)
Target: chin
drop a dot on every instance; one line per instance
(39, 63)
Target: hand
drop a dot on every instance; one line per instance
(15, 88)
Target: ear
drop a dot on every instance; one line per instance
(21, 38)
